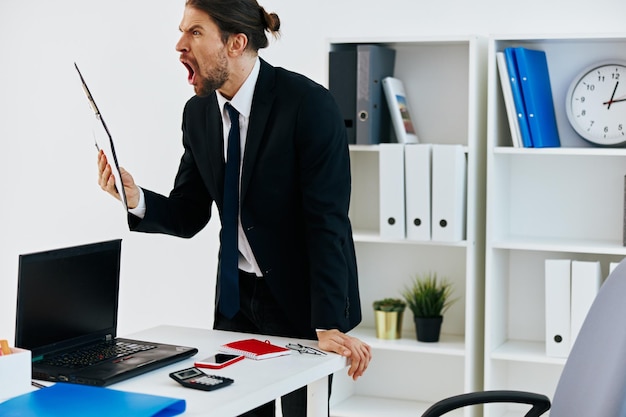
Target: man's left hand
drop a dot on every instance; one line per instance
(359, 352)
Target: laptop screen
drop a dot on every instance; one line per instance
(67, 297)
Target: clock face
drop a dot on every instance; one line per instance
(596, 104)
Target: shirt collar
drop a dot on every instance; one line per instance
(242, 101)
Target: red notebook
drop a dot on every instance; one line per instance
(254, 349)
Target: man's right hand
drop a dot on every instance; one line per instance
(106, 180)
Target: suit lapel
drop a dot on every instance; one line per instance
(259, 114)
(215, 145)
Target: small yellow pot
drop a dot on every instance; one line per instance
(388, 324)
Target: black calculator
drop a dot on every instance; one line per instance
(196, 379)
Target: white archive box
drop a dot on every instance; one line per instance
(391, 186)
(449, 193)
(15, 373)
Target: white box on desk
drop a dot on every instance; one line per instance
(15, 373)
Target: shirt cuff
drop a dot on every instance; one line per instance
(140, 210)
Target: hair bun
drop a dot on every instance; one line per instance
(272, 21)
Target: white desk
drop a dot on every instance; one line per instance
(256, 382)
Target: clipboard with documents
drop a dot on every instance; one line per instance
(105, 143)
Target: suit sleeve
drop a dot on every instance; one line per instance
(326, 185)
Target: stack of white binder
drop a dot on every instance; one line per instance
(571, 286)
(423, 192)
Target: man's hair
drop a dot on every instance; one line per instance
(240, 16)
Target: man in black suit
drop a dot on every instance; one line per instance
(297, 273)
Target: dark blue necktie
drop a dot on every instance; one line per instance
(229, 252)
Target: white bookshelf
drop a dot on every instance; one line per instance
(445, 83)
(551, 203)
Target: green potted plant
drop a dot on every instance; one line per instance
(388, 314)
(428, 298)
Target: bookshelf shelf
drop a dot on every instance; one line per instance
(609, 247)
(449, 344)
(368, 406)
(524, 351)
(571, 151)
(373, 236)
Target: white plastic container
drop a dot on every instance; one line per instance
(15, 373)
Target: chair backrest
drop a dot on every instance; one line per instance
(593, 381)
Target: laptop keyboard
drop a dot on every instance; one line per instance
(97, 353)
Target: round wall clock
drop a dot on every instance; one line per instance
(596, 104)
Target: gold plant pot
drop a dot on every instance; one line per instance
(388, 324)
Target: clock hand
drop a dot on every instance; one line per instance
(608, 103)
(614, 101)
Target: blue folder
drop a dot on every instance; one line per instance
(532, 67)
(72, 400)
(518, 97)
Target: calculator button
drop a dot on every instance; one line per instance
(206, 380)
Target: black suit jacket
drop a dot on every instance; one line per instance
(295, 193)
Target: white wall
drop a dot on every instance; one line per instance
(126, 52)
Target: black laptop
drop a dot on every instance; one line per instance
(67, 302)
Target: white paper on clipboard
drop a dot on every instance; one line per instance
(104, 141)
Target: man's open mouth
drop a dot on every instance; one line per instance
(191, 76)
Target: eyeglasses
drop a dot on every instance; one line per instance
(304, 349)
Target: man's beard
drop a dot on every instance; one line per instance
(216, 78)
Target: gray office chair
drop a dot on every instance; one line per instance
(593, 381)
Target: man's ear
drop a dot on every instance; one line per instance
(237, 44)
